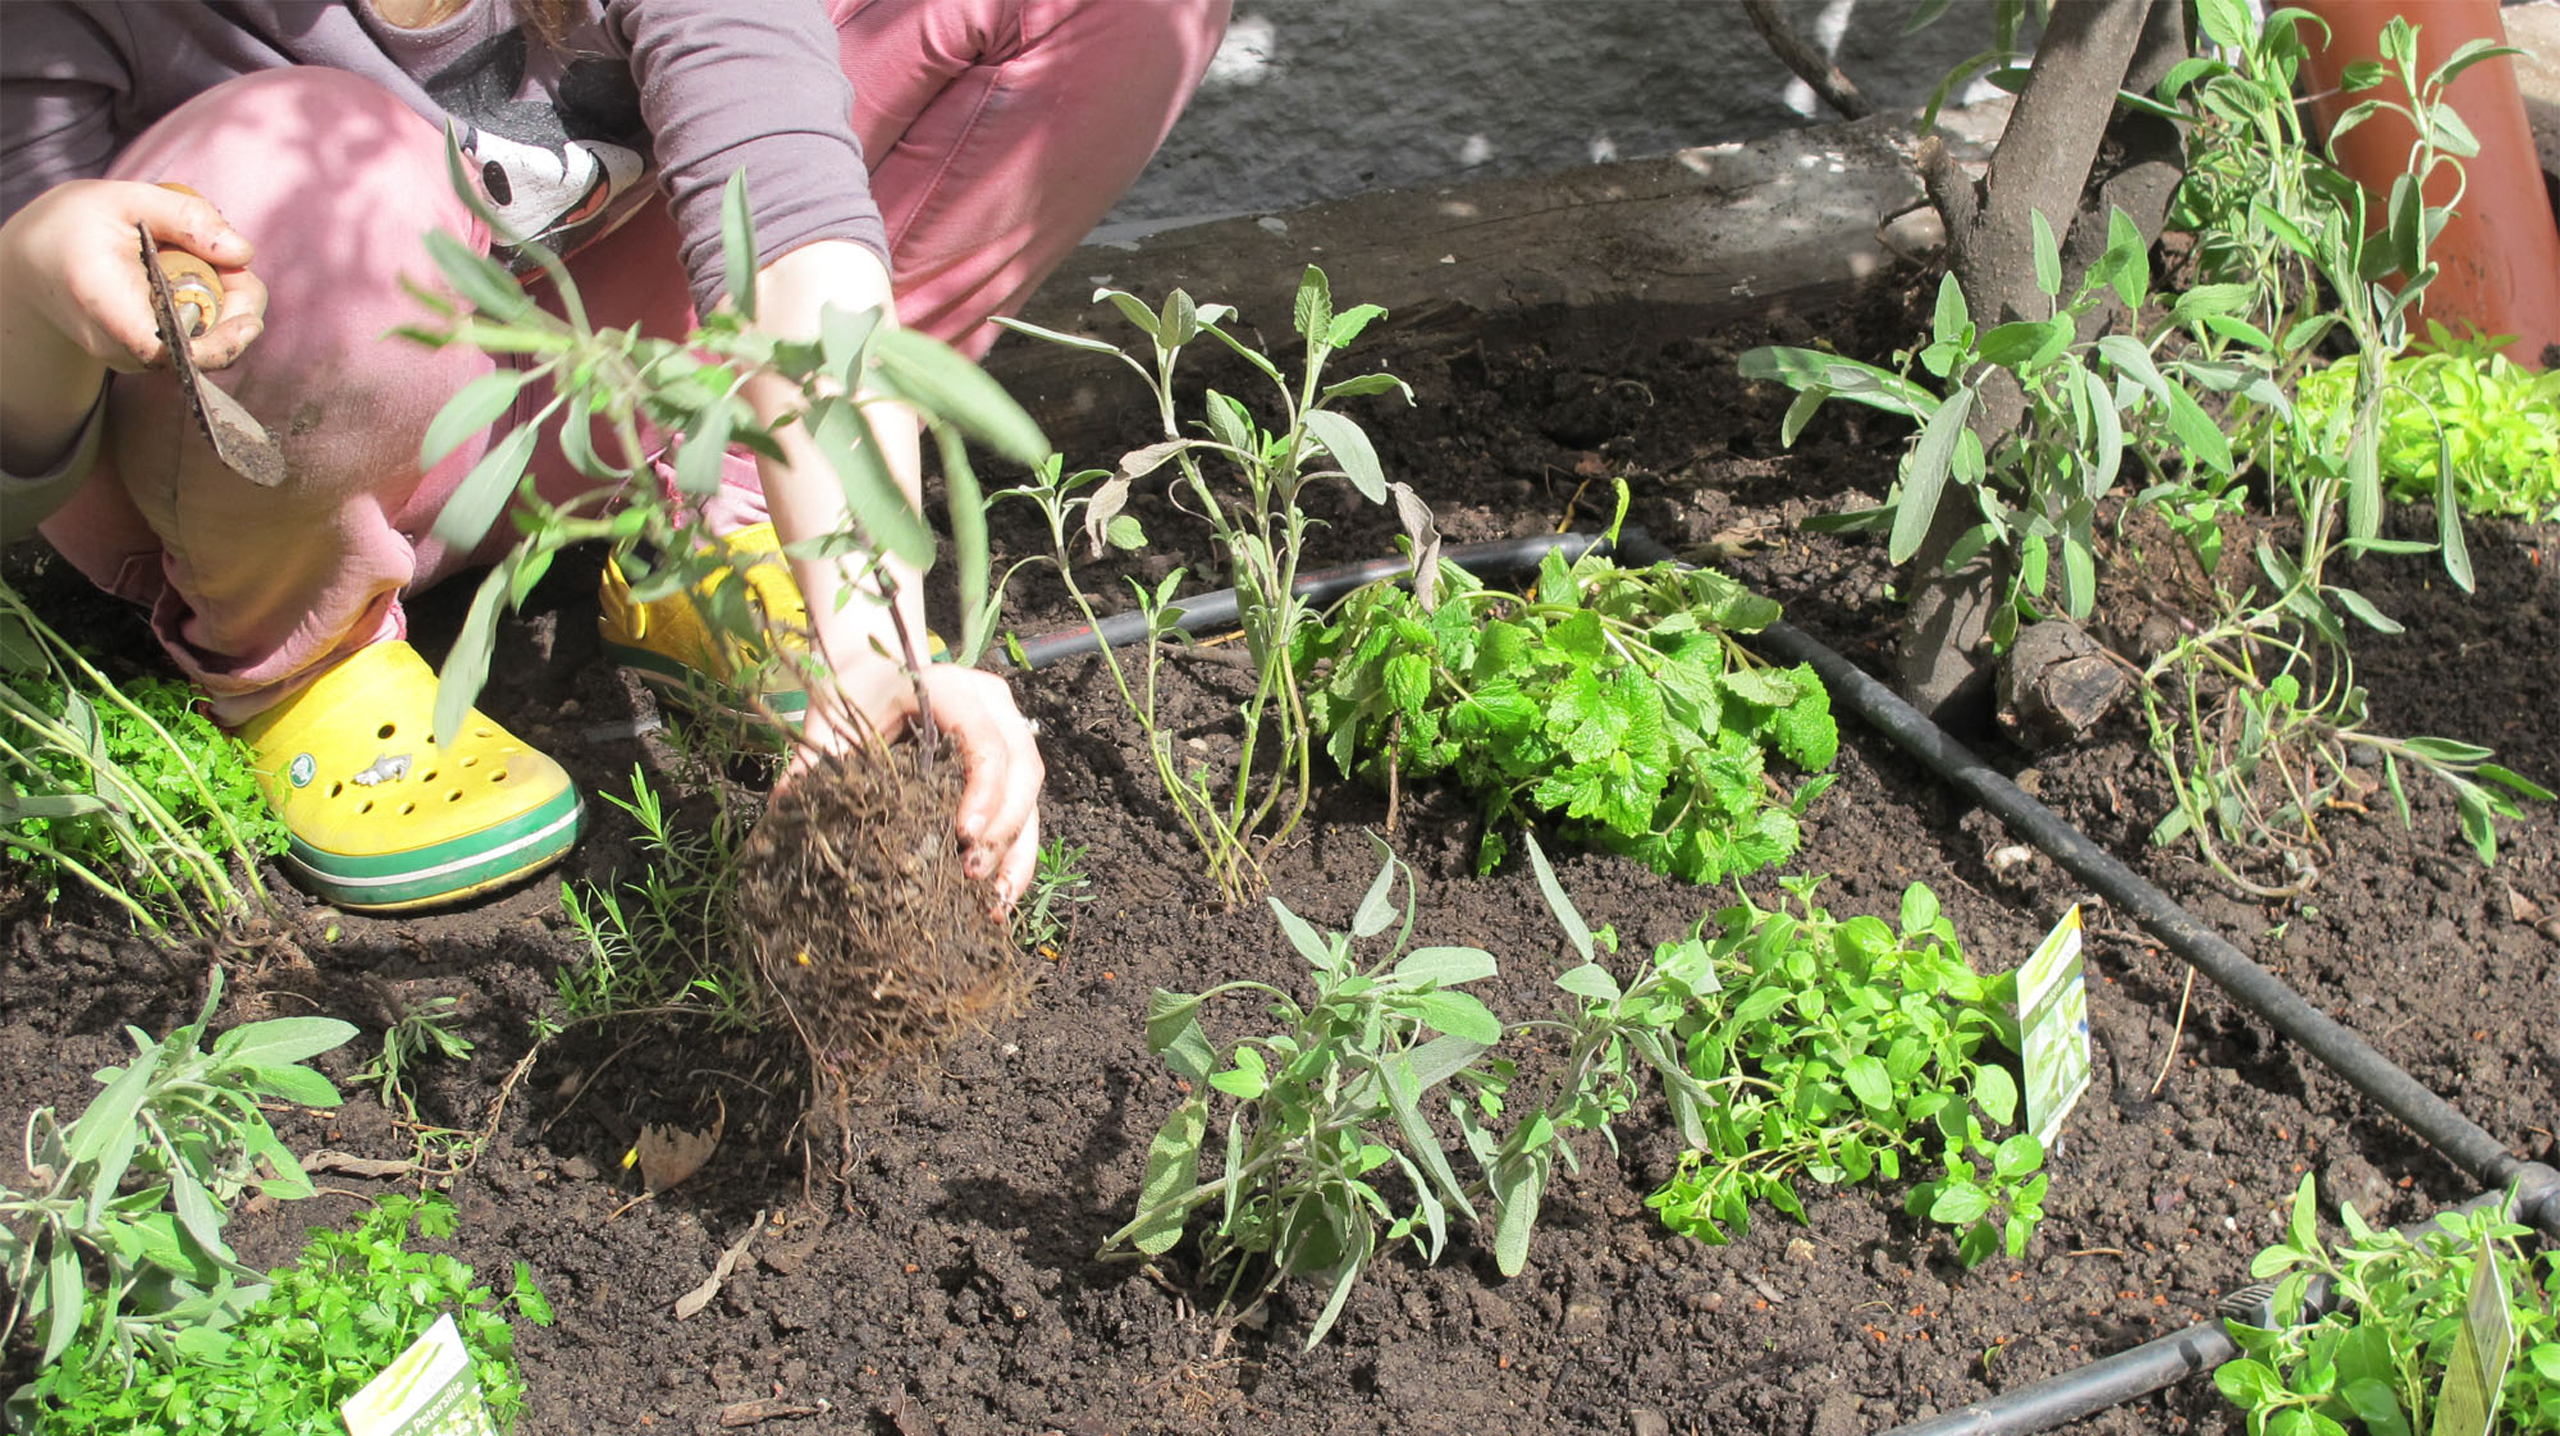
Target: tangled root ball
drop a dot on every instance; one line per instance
(867, 931)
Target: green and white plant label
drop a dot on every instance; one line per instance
(2469, 1401)
(430, 1391)
(2053, 1028)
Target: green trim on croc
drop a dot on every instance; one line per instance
(381, 816)
(442, 872)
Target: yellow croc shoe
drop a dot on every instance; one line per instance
(666, 643)
(382, 819)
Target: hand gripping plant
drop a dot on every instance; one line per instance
(870, 938)
(1247, 480)
(644, 391)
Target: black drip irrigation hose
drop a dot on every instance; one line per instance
(2165, 1361)
(2531, 1190)
(2460, 1139)
(1218, 609)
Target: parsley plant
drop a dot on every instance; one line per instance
(327, 1325)
(2459, 406)
(128, 790)
(1837, 1051)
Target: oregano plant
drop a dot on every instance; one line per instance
(1616, 702)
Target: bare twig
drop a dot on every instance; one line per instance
(1809, 65)
(2176, 1034)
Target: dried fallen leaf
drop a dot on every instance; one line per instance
(909, 1416)
(763, 1409)
(695, 1300)
(668, 1155)
(2520, 907)
(355, 1166)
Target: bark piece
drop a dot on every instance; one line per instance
(2056, 684)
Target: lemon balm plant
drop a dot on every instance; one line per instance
(1247, 476)
(1616, 700)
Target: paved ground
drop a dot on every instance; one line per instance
(2536, 27)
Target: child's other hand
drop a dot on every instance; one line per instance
(999, 818)
(70, 262)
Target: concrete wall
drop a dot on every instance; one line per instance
(1321, 99)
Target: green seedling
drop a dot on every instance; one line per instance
(1046, 914)
(1248, 477)
(327, 1325)
(1844, 1051)
(667, 939)
(2375, 1360)
(1618, 702)
(126, 790)
(417, 1032)
(1345, 1099)
(117, 1247)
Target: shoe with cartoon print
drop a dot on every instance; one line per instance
(382, 818)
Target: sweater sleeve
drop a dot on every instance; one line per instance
(727, 87)
(27, 500)
(61, 72)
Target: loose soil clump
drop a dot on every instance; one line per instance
(868, 931)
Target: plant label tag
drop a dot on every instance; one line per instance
(2481, 1350)
(2053, 1029)
(430, 1391)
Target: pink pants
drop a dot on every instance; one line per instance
(998, 132)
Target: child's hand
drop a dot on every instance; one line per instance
(999, 817)
(69, 262)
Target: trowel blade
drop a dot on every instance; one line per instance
(239, 441)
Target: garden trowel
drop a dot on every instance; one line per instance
(185, 299)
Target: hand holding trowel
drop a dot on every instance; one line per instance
(186, 297)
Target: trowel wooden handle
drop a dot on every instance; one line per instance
(194, 287)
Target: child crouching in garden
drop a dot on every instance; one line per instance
(930, 159)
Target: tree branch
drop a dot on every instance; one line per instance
(1835, 88)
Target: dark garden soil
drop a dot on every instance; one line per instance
(950, 1285)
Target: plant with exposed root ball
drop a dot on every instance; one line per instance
(868, 933)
